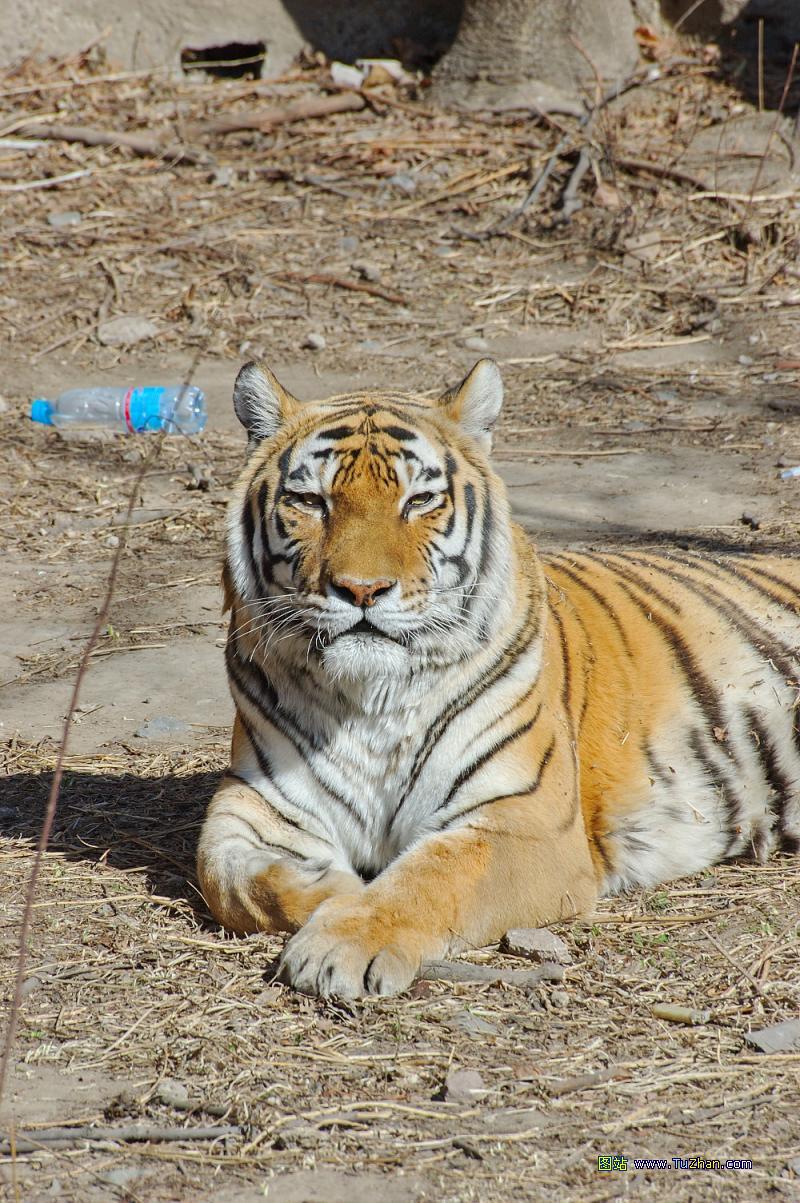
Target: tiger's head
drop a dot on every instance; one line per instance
(368, 530)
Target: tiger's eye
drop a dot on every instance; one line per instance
(418, 502)
(309, 501)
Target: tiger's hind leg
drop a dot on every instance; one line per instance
(257, 871)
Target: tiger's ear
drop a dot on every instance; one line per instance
(476, 402)
(261, 402)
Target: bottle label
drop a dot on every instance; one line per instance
(142, 409)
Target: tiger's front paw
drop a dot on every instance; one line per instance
(346, 950)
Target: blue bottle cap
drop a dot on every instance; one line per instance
(42, 411)
(144, 409)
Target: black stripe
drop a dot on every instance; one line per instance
(519, 642)
(240, 672)
(770, 648)
(598, 597)
(400, 434)
(269, 805)
(249, 528)
(480, 761)
(530, 788)
(257, 837)
(730, 800)
(701, 687)
(629, 574)
(783, 789)
(566, 684)
(335, 433)
(487, 530)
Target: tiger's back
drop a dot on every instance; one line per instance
(684, 681)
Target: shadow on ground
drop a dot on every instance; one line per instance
(148, 823)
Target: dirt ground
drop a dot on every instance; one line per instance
(651, 353)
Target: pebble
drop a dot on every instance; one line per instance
(223, 177)
(314, 342)
(463, 1086)
(745, 360)
(161, 726)
(559, 998)
(367, 271)
(126, 329)
(4, 406)
(349, 244)
(537, 944)
(405, 182)
(777, 1038)
(750, 520)
(173, 1093)
(111, 541)
(60, 221)
(370, 345)
(123, 1175)
(476, 343)
(473, 1025)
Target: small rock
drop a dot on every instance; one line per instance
(473, 1025)
(468, 1147)
(223, 177)
(314, 342)
(370, 346)
(785, 405)
(161, 726)
(30, 985)
(476, 343)
(405, 182)
(537, 944)
(349, 244)
(202, 478)
(745, 360)
(126, 329)
(268, 996)
(794, 1166)
(122, 1175)
(4, 406)
(111, 541)
(173, 1093)
(666, 394)
(751, 521)
(463, 1085)
(367, 271)
(61, 221)
(778, 1038)
(559, 998)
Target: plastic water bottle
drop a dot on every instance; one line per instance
(177, 409)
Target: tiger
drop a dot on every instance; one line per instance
(442, 734)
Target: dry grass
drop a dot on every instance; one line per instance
(129, 983)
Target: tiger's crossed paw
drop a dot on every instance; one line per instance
(346, 951)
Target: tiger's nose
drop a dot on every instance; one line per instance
(359, 593)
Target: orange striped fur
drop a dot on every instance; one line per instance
(440, 734)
